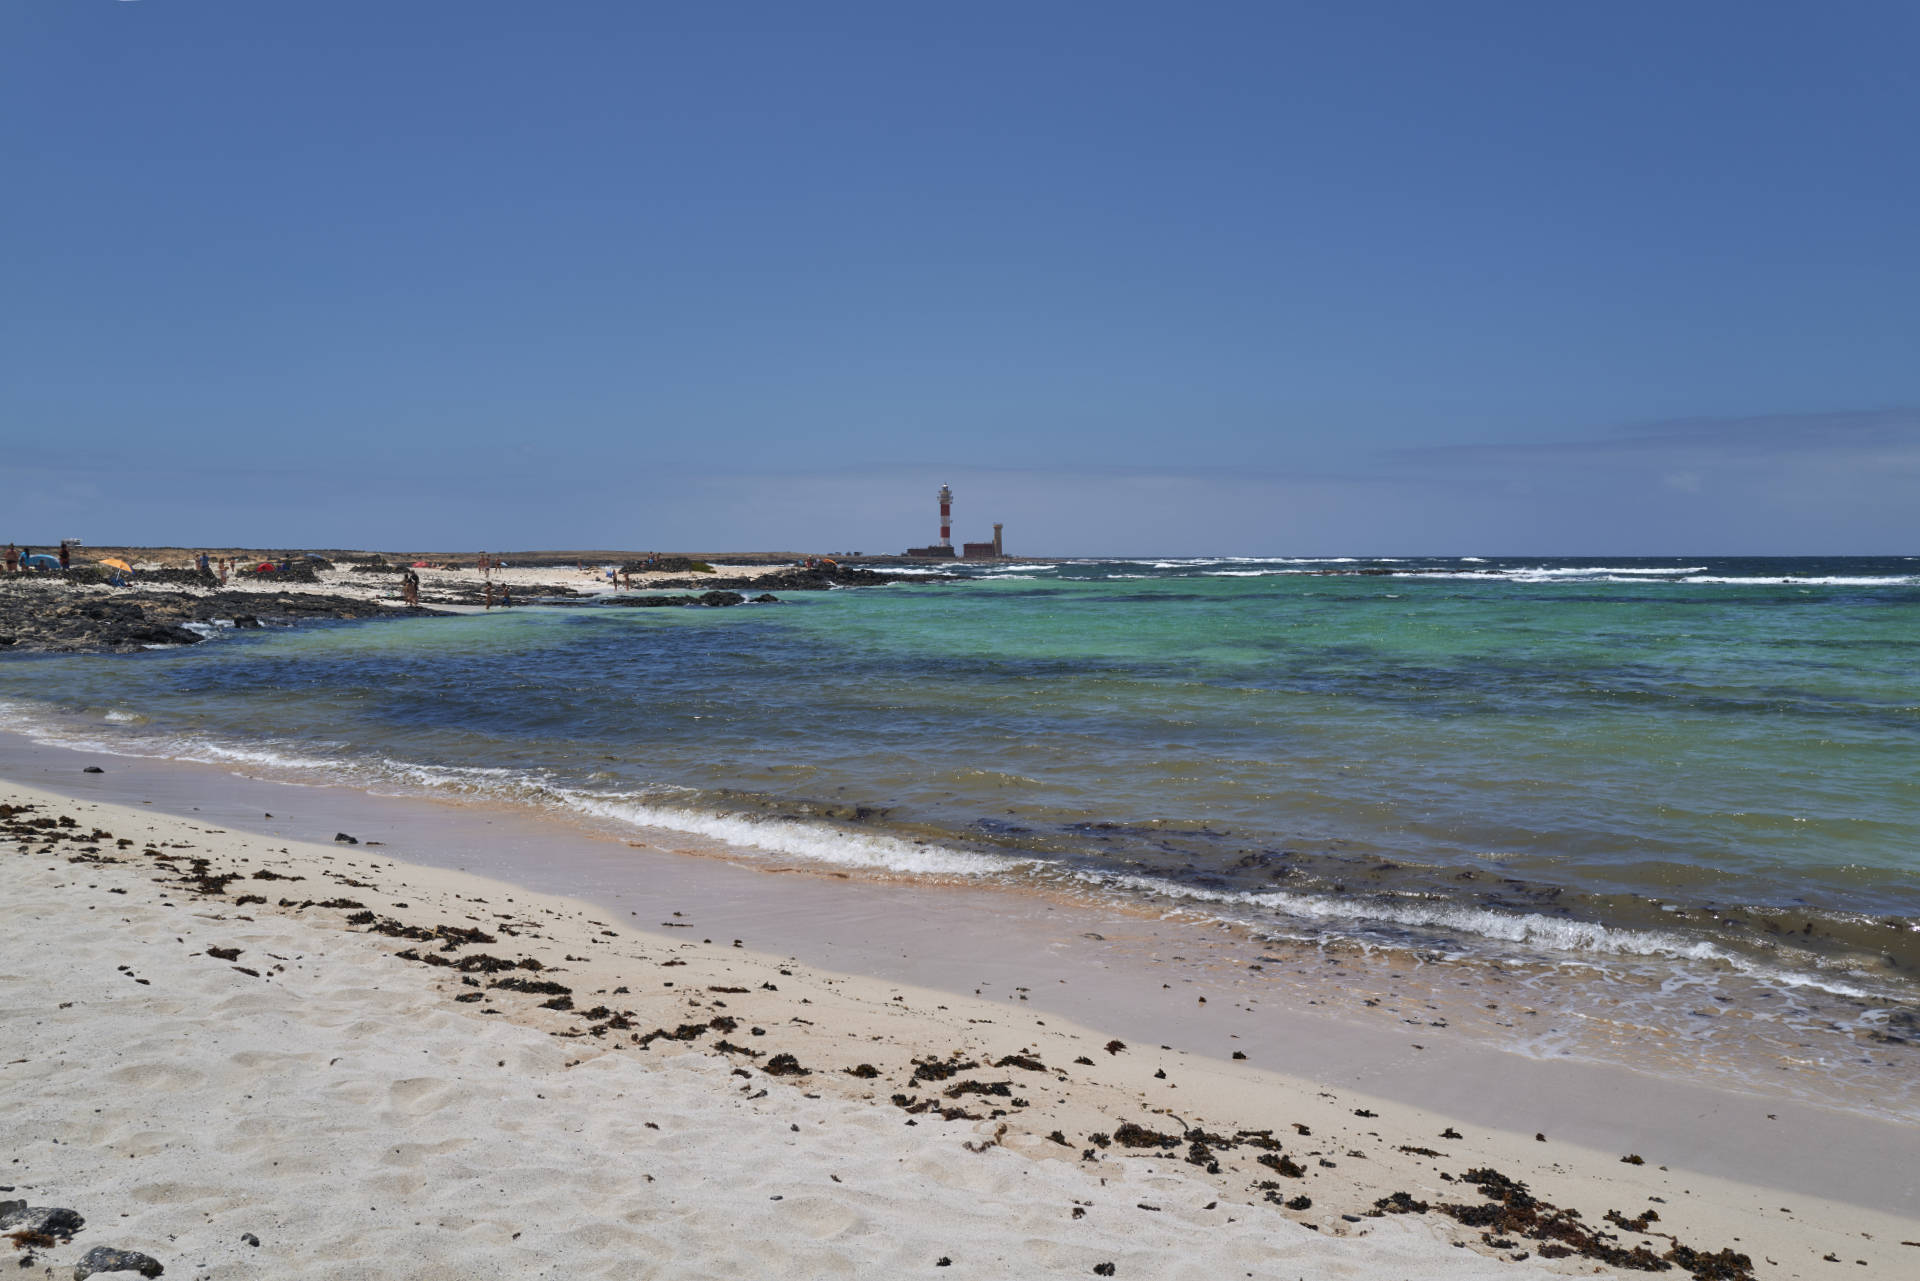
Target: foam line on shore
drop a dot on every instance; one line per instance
(347, 1049)
(1548, 937)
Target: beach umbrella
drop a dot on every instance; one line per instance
(117, 563)
(40, 560)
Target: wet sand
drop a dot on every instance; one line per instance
(932, 972)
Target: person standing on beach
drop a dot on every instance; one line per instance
(66, 557)
(489, 594)
(506, 596)
(13, 559)
(410, 588)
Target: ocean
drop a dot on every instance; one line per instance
(1682, 790)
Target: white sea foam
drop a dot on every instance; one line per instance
(32, 723)
(1651, 577)
(264, 755)
(1588, 571)
(1548, 935)
(790, 837)
(1190, 562)
(461, 777)
(1894, 581)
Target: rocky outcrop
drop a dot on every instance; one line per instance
(191, 577)
(799, 578)
(47, 619)
(297, 570)
(667, 565)
(712, 599)
(90, 623)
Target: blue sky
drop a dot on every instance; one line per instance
(1199, 278)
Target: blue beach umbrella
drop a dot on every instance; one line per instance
(40, 560)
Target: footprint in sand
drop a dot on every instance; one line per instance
(170, 1077)
(270, 1059)
(412, 1155)
(418, 1095)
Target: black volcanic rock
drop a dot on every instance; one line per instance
(798, 578)
(715, 598)
(46, 1220)
(103, 1259)
(52, 618)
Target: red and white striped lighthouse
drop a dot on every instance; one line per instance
(946, 517)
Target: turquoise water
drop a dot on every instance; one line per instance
(1680, 761)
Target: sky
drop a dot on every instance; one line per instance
(1340, 278)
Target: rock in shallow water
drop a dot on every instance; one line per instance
(103, 1259)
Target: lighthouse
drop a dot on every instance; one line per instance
(943, 550)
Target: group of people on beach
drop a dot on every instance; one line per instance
(20, 560)
(23, 560)
(487, 564)
(502, 597)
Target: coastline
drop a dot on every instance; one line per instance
(175, 606)
(843, 907)
(851, 948)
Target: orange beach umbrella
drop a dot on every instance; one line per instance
(117, 563)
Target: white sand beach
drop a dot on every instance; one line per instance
(366, 1115)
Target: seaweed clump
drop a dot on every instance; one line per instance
(535, 987)
(932, 1069)
(1511, 1210)
(1282, 1164)
(1129, 1135)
